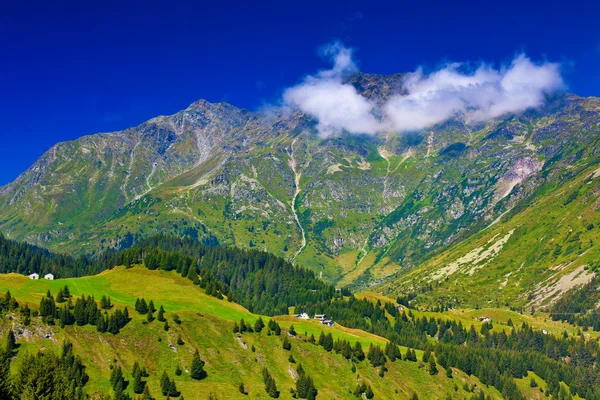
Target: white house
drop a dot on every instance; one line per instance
(327, 322)
(320, 316)
(50, 277)
(303, 316)
(34, 276)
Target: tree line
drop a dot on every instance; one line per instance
(261, 282)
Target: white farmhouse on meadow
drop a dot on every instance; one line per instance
(34, 276)
(50, 277)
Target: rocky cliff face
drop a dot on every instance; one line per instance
(357, 208)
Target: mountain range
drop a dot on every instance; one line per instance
(455, 210)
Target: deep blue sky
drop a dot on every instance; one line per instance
(73, 68)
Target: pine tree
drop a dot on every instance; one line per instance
(161, 314)
(173, 388)
(270, 385)
(81, 317)
(151, 308)
(193, 275)
(411, 355)
(118, 383)
(369, 393)
(105, 303)
(120, 392)
(286, 344)
(165, 384)
(432, 365)
(241, 388)
(149, 317)
(146, 394)
(5, 377)
(138, 383)
(533, 383)
(426, 354)
(135, 369)
(197, 369)
(305, 388)
(259, 325)
(113, 326)
(166, 326)
(328, 342)
(101, 324)
(11, 342)
(141, 306)
(358, 352)
(60, 296)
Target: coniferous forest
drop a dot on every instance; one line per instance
(268, 285)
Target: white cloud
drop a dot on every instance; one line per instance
(481, 95)
(337, 106)
(427, 99)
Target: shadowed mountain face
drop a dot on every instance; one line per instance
(359, 209)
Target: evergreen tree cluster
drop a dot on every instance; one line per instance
(270, 385)
(305, 387)
(376, 356)
(118, 383)
(138, 374)
(168, 386)
(43, 376)
(85, 311)
(63, 294)
(274, 327)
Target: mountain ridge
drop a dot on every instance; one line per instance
(369, 206)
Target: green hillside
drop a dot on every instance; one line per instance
(528, 258)
(207, 325)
